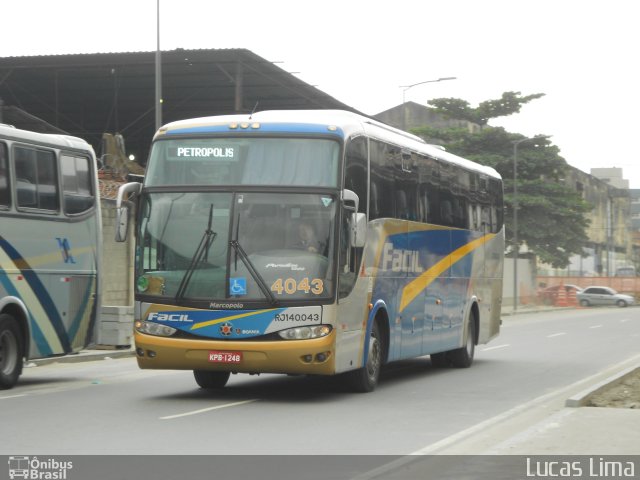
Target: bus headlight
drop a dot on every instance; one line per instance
(151, 328)
(302, 333)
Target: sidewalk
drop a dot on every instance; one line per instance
(87, 355)
(558, 423)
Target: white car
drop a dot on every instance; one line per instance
(603, 296)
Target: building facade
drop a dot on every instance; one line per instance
(612, 243)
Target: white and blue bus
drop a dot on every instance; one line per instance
(50, 247)
(311, 242)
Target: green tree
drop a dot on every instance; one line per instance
(551, 216)
(508, 104)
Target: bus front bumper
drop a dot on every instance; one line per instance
(312, 356)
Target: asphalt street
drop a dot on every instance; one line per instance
(111, 407)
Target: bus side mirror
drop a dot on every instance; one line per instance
(358, 229)
(122, 212)
(351, 197)
(122, 223)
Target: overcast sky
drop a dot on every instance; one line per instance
(582, 54)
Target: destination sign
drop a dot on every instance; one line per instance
(203, 152)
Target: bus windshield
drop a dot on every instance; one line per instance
(244, 161)
(233, 246)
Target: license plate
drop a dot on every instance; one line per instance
(216, 356)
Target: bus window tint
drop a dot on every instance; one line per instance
(76, 184)
(4, 177)
(382, 181)
(421, 188)
(355, 177)
(36, 178)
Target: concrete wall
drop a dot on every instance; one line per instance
(527, 282)
(115, 324)
(411, 115)
(117, 260)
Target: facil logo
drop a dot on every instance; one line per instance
(170, 317)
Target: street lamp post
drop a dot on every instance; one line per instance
(407, 87)
(158, 72)
(515, 214)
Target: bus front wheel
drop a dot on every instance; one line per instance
(211, 380)
(10, 351)
(365, 379)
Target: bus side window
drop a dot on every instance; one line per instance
(5, 196)
(36, 178)
(347, 261)
(355, 179)
(355, 176)
(423, 204)
(76, 184)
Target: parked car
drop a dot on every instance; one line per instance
(549, 295)
(603, 296)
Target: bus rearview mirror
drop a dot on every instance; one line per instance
(358, 229)
(122, 223)
(122, 211)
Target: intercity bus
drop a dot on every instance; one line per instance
(311, 242)
(50, 247)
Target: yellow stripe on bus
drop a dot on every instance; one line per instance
(46, 259)
(415, 287)
(232, 317)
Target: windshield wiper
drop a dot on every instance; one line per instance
(201, 254)
(239, 252)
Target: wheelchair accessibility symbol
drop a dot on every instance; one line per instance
(238, 286)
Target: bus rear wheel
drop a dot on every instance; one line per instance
(211, 380)
(10, 351)
(463, 357)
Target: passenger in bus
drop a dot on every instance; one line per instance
(307, 238)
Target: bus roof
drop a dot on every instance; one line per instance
(50, 139)
(338, 122)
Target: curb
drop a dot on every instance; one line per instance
(582, 398)
(84, 356)
(523, 311)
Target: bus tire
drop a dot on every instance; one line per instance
(11, 351)
(211, 380)
(463, 357)
(365, 379)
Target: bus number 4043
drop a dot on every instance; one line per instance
(291, 286)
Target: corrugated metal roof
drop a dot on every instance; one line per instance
(88, 94)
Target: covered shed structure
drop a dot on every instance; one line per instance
(87, 95)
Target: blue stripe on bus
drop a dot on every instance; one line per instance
(41, 293)
(38, 338)
(264, 128)
(77, 321)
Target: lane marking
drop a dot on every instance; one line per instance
(209, 409)
(13, 396)
(556, 335)
(496, 347)
(595, 326)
